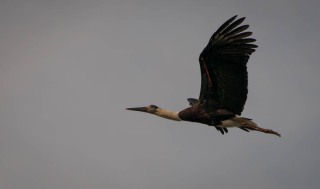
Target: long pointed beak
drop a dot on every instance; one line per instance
(140, 109)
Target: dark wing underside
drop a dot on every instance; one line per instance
(223, 61)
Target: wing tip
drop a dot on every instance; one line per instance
(235, 16)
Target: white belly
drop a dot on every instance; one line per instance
(229, 123)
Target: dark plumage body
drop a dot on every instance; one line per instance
(197, 113)
(224, 82)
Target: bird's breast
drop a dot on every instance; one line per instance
(195, 114)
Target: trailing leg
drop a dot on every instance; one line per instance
(247, 124)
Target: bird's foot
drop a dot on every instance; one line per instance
(222, 129)
(219, 128)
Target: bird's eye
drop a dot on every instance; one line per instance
(153, 106)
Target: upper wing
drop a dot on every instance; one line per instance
(223, 61)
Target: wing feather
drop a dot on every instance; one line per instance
(224, 77)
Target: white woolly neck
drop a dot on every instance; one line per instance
(168, 114)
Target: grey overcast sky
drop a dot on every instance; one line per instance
(69, 68)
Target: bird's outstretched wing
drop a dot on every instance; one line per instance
(223, 61)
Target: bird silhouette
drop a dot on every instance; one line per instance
(224, 82)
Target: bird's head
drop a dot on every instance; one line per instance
(152, 109)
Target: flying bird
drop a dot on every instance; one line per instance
(224, 82)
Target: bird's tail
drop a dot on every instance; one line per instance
(248, 124)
